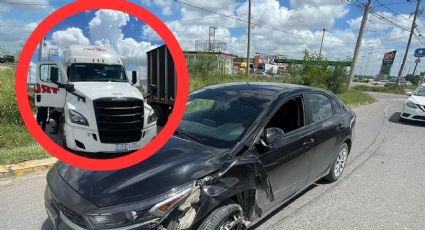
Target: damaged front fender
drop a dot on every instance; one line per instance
(243, 173)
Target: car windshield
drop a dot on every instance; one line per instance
(97, 72)
(220, 118)
(420, 91)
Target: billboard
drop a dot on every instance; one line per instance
(387, 63)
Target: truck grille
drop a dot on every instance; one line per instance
(119, 120)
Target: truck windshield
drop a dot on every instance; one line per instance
(97, 72)
(220, 118)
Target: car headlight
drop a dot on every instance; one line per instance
(77, 118)
(139, 213)
(410, 104)
(152, 117)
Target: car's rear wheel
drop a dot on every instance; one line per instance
(226, 217)
(338, 165)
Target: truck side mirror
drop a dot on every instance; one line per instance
(54, 74)
(133, 77)
(69, 88)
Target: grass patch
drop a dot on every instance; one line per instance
(351, 97)
(356, 97)
(16, 144)
(394, 90)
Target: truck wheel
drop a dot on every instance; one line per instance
(228, 216)
(160, 113)
(338, 165)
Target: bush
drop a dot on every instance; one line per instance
(317, 73)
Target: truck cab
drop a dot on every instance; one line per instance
(103, 112)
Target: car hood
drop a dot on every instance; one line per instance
(179, 162)
(418, 100)
(95, 90)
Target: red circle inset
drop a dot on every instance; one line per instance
(104, 164)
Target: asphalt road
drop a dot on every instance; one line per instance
(383, 186)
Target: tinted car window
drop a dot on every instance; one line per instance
(336, 106)
(220, 118)
(321, 107)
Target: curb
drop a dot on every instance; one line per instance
(21, 169)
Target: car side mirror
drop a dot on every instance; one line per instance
(133, 77)
(409, 94)
(271, 136)
(54, 74)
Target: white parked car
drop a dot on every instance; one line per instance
(381, 82)
(414, 108)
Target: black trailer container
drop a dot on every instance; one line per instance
(161, 82)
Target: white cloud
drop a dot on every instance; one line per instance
(106, 29)
(165, 5)
(70, 36)
(106, 25)
(13, 34)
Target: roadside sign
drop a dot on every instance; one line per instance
(419, 52)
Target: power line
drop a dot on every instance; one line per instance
(263, 25)
(393, 11)
(35, 3)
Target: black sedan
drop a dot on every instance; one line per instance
(241, 151)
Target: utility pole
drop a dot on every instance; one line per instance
(359, 41)
(249, 38)
(412, 29)
(321, 44)
(416, 65)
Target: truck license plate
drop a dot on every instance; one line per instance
(127, 147)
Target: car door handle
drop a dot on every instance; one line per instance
(339, 127)
(308, 143)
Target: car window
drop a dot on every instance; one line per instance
(420, 91)
(47, 71)
(321, 107)
(220, 117)
(289, 117)
(199, 105)
(336, 107)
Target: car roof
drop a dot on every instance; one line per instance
(264, 88)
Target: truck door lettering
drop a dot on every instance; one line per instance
(45, 89)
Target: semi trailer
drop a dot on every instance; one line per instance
(103, 112)
(161, 82)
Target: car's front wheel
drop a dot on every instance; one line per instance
(226, 217)
(338, 165)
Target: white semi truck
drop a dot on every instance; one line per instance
(103, 112)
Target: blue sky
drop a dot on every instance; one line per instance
(285, 27)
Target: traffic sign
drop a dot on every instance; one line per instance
(420, 52)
